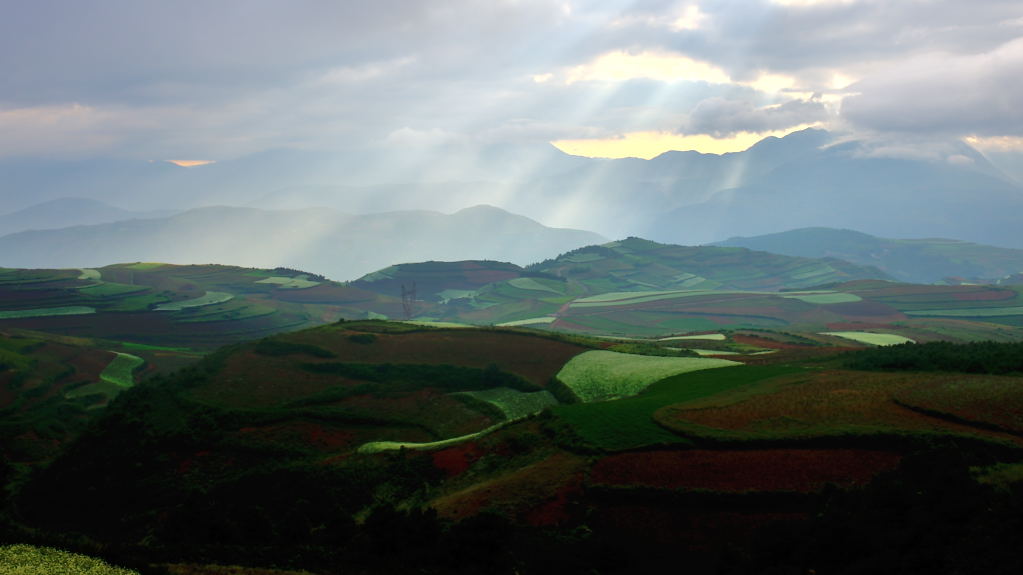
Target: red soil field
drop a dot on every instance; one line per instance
(252, 380)
(857, 326)
(305, 433)
(556, 511)
(535, 358)
(33, 298)
(326, 293)
(802, 470)
(765, 343)
(537, 492)
(873, 309)
(436, 410)
(831, 400)
(457, 460)
(151, 327)
(987, 295)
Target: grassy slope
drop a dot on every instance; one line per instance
(602, 375)
(628, 423)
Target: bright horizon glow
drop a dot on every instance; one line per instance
(620, 66)
(996, 143)
(190, 163)
(647, 145)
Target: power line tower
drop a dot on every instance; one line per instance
(408, 300)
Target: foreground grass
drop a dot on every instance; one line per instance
(30, 560)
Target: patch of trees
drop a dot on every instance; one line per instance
(280, 347)
(291, 272)
(987, 357)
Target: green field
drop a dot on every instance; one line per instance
(602, 375)
(824, 297)
(119, 371)
(530, 321)
(236, 310)
(382, 446)
(706, 336)
(532, 285)
(209, 298)
(443, 324)
(115, 378)
(110, 289)
(147, 347)
(628, 423)
(629, 298)
(47, 312)
(289, 283)
(870, 338)
(968, 312)
(514, 404)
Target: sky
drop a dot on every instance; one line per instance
(200, 81)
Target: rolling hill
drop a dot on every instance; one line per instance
(372, 446)
(197, 306)
(67, 212)
(912, 260)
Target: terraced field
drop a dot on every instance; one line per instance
(870, 337)
(177, 306)
(603, 375)
(826, 404)
(629, 423)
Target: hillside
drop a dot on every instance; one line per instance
(321, 241)
(372, 446)
(200, 306)
(640, 288)
(909, 260)
(637, 264)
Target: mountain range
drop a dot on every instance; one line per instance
(910, 260)
(340, 246)
(67, 212)
(808, 178)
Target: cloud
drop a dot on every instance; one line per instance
(661, 66)
(220, 79)
(721, 117)
(944, 94)
(651, 144)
